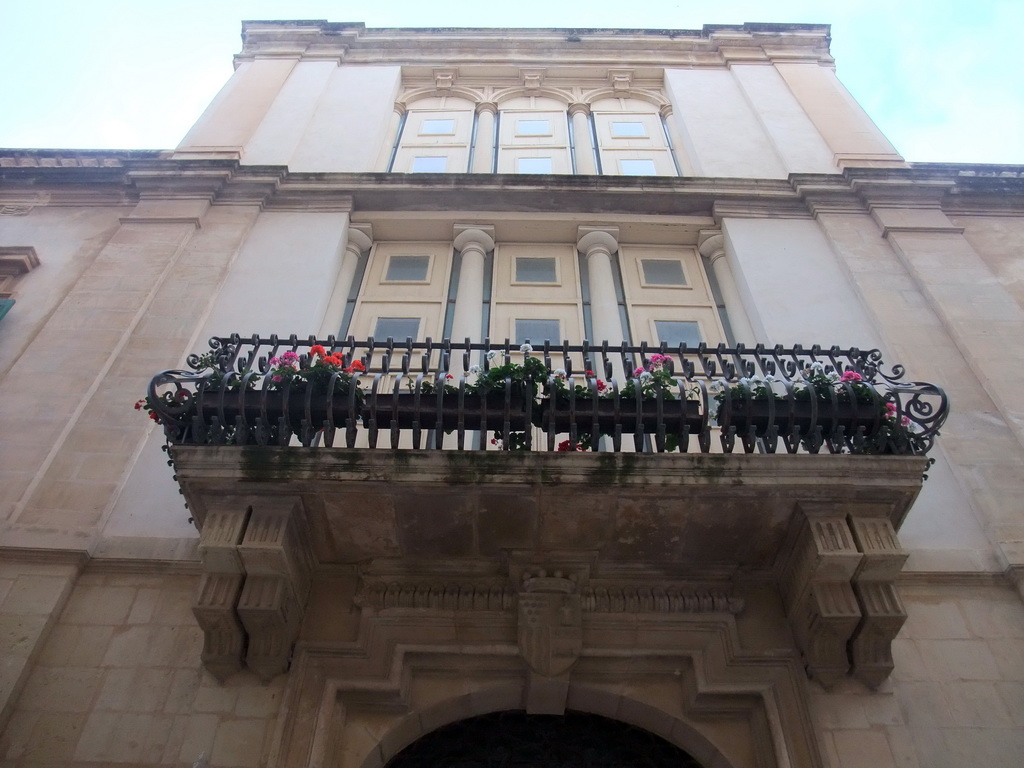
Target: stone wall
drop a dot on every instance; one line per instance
(118, 681)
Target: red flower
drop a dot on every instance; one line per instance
(138, 405)
(317, 349)
(357, 365)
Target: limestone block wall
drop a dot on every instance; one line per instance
(118, 682)
(956, 696)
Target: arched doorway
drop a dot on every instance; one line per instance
(514, 739)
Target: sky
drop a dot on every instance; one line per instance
(941, 78)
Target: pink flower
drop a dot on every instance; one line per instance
(638, 371)
(890, 409)
(657, 361)
(905, 421)
(277, 378)
(851, 376)
(289, 357)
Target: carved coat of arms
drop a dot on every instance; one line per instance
(550, 631)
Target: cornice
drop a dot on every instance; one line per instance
(124, 178)
(718, 45)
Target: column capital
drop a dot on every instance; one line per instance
(593, 240)
(474, 237)
(711, 244)
(577, 108)
(359, 241)
(400, 108)
(665, 110)
(487, 106)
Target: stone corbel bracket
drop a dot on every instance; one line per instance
(837, 576)
(252, 596)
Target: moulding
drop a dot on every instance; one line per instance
(77, 558)
(193, 220)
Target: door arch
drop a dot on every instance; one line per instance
(515, 739)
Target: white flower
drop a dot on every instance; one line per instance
(818, 367)
(492, 355)
(646, 376)
(745, 381)
(769, 378)
(559, 373)
(474, 369)
(526, 349)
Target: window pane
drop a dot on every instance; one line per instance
(533, 128)
(535, 270)
(429, 164)
(399, 328)
(637, 167)
(430, 127)
(538, 331)
(663, 272)
(676, 332)
(533, 165)
(407, 269)
(625, 130)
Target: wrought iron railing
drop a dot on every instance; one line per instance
(461, 395)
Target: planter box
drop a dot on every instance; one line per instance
(674, 415)
(744, 414)
(477, 412)
(274, 403)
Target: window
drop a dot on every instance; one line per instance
(533, 165)
(533, 128)
(628, 130)
(636, 167)
(398, 328)
(662, 272)
(676, 332)
(437, 128)
(537, 331)
(536, 270)
(407, 269)
(429, 164)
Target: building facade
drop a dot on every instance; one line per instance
(337, 590)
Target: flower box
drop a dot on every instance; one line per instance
(743, 414)
(478, 412)
(623, 412)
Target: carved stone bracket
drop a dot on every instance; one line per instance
(252, 597)
(881, 608)
(836, 580)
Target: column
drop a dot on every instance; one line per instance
(483, 152)
(712, 248)
(357, 242)
(388, 148)
(474, 244)
(598, 246)
(583, 146)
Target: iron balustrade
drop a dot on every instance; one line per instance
(428, 395)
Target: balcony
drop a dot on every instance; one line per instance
(433, 468)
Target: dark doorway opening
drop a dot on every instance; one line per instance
(515, 739)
